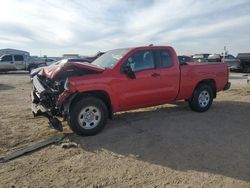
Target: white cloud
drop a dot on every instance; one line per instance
(61, 26)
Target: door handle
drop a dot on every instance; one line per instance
(155, 74)
(11, 62)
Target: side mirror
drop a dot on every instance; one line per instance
(128, 71)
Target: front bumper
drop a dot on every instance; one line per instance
(36, 107)
(48, 102)
(44, 103)
(41, 102)
(227, 86)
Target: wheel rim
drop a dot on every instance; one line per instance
(89, 117)
(204, 99)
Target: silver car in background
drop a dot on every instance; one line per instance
(232, 62)
(201, 58)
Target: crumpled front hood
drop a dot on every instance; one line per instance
(53, 70)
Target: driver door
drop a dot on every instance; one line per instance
(143, 90)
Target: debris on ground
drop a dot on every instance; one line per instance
(69, 145)
(36, 146)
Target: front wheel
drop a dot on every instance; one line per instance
(88, 116)
(202, 98)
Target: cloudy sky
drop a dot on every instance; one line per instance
(86, 26)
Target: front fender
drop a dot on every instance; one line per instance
(100, 87)
(65, 105)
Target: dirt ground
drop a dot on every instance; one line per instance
(164, 146)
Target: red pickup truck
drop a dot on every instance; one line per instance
(86, 95)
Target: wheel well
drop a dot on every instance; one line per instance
(102, 95)
(211, 83)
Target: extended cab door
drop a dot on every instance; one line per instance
(19, 62)
(6, 62)
(167, 66)
(145, 89)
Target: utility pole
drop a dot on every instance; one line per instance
(225, 52)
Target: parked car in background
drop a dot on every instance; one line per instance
(183, 59)
(12, 62)
(232, 62)
(63, 61)
(214, 58)
(15, 62)
(87, 94)
(244, 62)
(201, 58)
(92, 58)
(40, 62)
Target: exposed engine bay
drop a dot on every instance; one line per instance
(47, 90)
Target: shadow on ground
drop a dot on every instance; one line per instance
(216, 141)
(6, 87)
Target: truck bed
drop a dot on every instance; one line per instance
(192, 73)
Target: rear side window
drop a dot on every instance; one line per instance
(7, 58)
(141, 60)
(164, 59)
(18, 57)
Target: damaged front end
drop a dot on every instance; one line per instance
(51, 94)
(44, 96)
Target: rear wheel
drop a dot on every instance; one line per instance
(88, 116)
(202, 98)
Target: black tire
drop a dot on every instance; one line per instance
(78, 114)
(200, 105)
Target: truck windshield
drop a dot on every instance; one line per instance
(110, 58)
